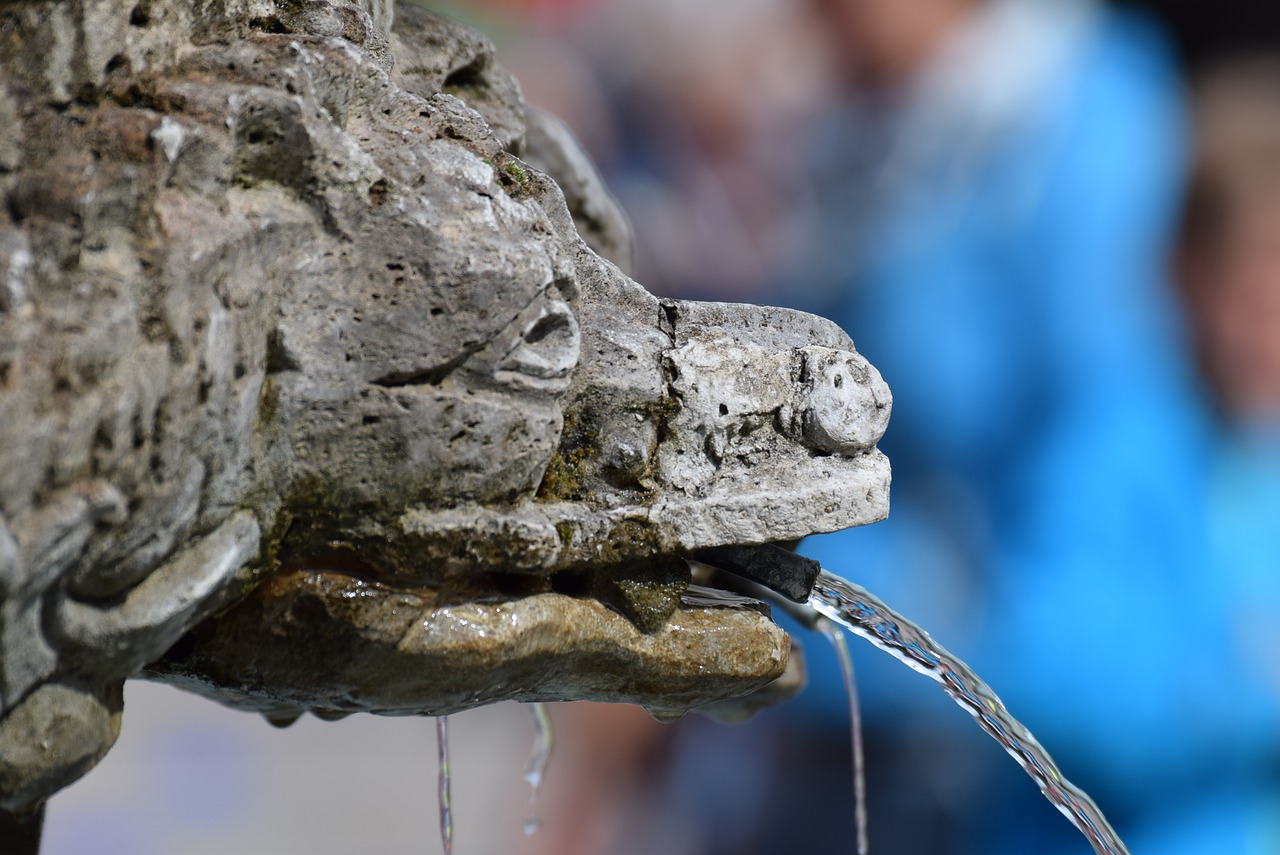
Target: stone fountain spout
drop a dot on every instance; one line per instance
(323, 388)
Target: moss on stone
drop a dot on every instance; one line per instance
(514, 170)
(564, 478)
(646, 592)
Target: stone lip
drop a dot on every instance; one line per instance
(398, 651)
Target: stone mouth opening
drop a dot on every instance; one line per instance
(647, 591)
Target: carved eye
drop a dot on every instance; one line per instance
(546, 352)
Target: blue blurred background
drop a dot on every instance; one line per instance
(1054, 227)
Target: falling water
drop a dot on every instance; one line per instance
(446, 809)
(831, 631)
(543, 742)
(863, 614)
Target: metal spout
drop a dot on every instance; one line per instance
(778, 569)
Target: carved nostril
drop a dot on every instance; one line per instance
(548, 346)
(848, 403)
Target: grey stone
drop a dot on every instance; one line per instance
(51, 738)
(125, 634)
(318, 394)
(847, 402)
(437, 54)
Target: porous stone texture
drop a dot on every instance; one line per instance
(291, 330)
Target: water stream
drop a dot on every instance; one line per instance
(543, 742)
(865, 615)
(831, 631)
(446, 807)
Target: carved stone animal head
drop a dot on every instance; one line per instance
(314, 396)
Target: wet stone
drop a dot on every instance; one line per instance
(647, 593)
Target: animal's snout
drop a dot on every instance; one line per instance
(823, 399)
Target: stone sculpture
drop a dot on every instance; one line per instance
(317, 394)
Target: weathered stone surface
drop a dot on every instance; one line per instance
(52, 738)
(279, 296)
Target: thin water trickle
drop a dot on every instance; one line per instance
(446, 807)
(865, 615)
(543, 742)
(831, 631)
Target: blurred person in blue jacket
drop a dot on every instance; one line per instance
(1228, 272)
(999, 196)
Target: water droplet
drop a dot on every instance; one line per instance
(831, 630)
(446, 806)
(535, 769)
